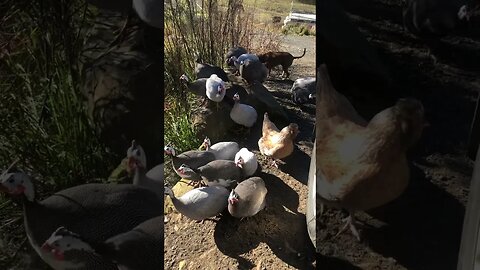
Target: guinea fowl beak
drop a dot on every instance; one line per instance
(46, 247)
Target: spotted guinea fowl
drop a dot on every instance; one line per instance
(235, 51)
(215, 88)
(247, 161)
(137, 249)
(203, 70)
(275, 143)
(192, 158)
(303, 90)
(362, 165)
(137, 163)
(248, 198)
(197, 87)
(243, 114)
(218, 172)
(96, 211)
(238, 60)
(69, 251)
(253, 71)
(221, 150)
(200, 203)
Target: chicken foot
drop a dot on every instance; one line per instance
(350, 223)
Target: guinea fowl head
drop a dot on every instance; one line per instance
(236, 97)
(136, 157)
(206, 143)
(239, 162)
(233, 198)
(62, 241)
(185, 171)
(184, 78)
(17, 184)
(169, 151)
(220, 89)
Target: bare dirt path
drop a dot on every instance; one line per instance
(276, 238)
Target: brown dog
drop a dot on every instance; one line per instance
(273, 59)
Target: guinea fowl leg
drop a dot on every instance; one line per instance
(350, 223)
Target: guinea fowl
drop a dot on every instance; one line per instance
(137, 249)
(96, 211)
(362, 165)
(303, 90)
(206, 70)
(275, 143)
(192, 158)
(243, 114)
(237, 61)
(137, 163)
(253, 71)
(218, 172)
(197, 87)
(200, 203)
(432, 19)
(248, 198)
(221, 150)
(235, 51)
(247, 161)
(215, 88)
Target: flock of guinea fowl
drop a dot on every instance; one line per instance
(360, 165)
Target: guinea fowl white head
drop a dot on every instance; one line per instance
(169, 151)
(17, 184)
(62, 241)
(136, 157)
(215, 88)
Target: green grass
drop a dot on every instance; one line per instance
(299, 29)
(44, 120)
(282, 7)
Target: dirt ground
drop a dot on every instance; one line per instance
(422, 229)
(276, 238)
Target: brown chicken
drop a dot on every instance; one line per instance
(362, 165)
(274, 143)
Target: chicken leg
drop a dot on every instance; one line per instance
(350, 223)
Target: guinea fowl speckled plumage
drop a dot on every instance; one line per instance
(221, 150)
(138, 249)
(248, 198)
(193, 159)
(218, 172)
(203, 70)
(96, 211)
(197, 87)
(137, 163)
(235, 51)
(200, 203)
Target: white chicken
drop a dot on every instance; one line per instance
(243, 114)
(215, 88)
(247, 160)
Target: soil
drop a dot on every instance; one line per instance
(421, 229)
(275, 238)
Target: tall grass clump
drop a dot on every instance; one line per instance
(203, 29)
(44, 121)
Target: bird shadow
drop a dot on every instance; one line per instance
(279, 226)
(297, 165)
(426, 219)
